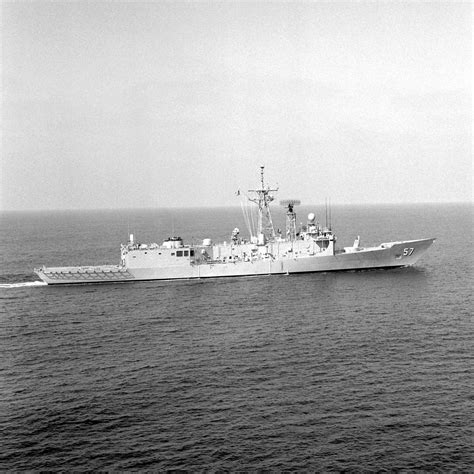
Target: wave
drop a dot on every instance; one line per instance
(23, 284)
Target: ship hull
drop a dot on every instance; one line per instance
(390, 255)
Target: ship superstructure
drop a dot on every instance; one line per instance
(311, 248)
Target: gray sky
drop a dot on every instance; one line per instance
(158, 104)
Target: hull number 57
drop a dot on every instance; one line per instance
(408, 251)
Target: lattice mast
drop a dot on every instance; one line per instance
(290, 217)
(263, 199)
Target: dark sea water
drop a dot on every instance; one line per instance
(349, 371)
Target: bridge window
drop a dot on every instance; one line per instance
(179, 253)
(186, 253)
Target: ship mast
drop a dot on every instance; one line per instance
(263, 199)
(290, 217)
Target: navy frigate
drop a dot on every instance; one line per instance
(310, 248)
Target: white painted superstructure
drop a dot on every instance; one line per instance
(310, 249)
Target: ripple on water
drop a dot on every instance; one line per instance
(357, 371)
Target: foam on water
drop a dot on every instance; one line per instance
(22, 284)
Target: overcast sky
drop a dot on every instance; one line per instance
(158, 104)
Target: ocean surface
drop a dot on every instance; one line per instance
(353, 371)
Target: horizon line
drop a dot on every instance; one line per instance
(341, 204)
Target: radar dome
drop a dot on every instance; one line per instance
(311, 217)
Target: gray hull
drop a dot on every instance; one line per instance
(389, 255)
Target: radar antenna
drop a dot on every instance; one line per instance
(290, 217)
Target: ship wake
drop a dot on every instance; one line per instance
(24, 284)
